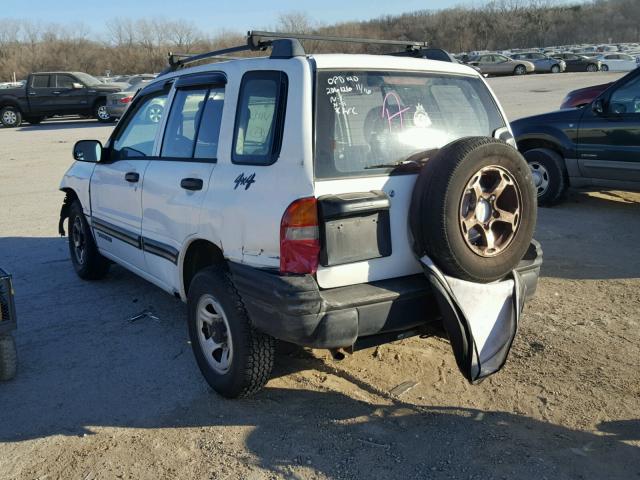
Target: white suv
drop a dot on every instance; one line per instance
(276, 198)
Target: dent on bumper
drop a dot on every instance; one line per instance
(293, 308)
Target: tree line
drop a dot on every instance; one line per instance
(137, 46)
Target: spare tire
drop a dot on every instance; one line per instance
(474, 209)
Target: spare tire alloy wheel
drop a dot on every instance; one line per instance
(102, 113)
(473, 210)
(490, 211)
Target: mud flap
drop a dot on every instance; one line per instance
(481, 319)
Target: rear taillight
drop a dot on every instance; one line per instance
(299, 237)
(126, 99)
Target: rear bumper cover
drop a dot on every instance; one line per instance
(294, 309)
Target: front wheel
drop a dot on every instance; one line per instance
(520, 70)
(235, 359)
(555, 69)
(101, 113)
(592, 67)
(550, 176)
(10, 117)
(604, 68)
(86, 259)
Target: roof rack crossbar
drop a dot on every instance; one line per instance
(285, 45)
(255, 37)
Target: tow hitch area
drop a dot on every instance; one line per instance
(481, 319)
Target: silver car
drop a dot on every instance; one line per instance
(496, 64)
(117, 103)
(543, 63)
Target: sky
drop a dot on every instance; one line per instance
(210, 15)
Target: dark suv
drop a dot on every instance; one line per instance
(598, 145)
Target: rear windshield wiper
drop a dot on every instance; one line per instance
(414, 159)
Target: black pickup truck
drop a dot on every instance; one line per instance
(55, 93)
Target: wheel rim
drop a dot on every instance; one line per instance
(155, 114)
(490, 211)
(214, 335)
(520, 70)
(591, 68)
(79, 240)
(9, 117)
(605, 68)
(555, 69)
(540, 177)
(102, 113)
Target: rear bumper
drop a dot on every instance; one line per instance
(296, 310)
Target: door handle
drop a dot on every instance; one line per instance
(132, 177)
(191, 184)
(33, 93)
(56, 93)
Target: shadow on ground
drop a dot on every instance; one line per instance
(62, 124)
(84, 363)
(593, 235)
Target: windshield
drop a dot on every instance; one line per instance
(87, 79)
(366, 121)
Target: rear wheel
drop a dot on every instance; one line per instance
(473, 209)
(87, 261)
(101, 113)
(10, 117)
(520, 70)
(234, 358)
(604, 68)
(555, 69)
(550, 176)
(592, 67)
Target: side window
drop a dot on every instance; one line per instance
(40, 81)
(183, 123)
(626, 98)
(65, 81)
(260, 118)
(136, 138)
(209, 131)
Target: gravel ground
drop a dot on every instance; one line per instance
(99, 397)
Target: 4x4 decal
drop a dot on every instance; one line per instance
(246, 181)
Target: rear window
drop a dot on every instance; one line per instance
(368, 121)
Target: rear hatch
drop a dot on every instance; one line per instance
(374, 130)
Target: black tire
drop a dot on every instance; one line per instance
(8, 358)
(253, 352)
(85, 257)
(101, 113)
(604, 68)
(592, 67)
(550, 176)
(10, 117)
(34, 120)
(555, 68)
(520, 70)
(437, 204)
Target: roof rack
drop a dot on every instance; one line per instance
(283, 45)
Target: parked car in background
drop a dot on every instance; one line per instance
(583, 96)
(579, 63)
(593, 146)
(137, 79)
(542, 62)
(118, 102)
(496, 64)
(617, 62)
(55, 93)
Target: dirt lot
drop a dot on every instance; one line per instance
(98, 396)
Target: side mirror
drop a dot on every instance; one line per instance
(77, 86)
(598, 106)
(87, 151)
